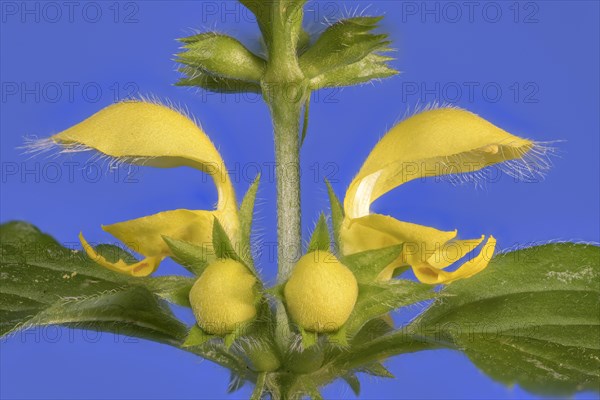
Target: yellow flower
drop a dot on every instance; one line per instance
(147, 133)
(443, 141)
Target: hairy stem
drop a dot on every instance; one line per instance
(286, 121)
(285, 90)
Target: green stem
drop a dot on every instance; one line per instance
(286, 121)
(285, 90)
(259, 387)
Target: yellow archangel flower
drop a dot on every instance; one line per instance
(442, 141)
(146, 133)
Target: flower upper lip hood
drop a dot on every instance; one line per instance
(147, 133)
(442, 141)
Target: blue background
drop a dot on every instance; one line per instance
(544, 53)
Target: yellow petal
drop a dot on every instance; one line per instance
(453, 251)
(145, 133)
(376, 231)
(433, 143)
(144, 235)
(431, 275)
(141, 268)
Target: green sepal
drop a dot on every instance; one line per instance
(213, 83)
(367, 265)
(309, 339)
(344, 43)
(337, 216)
(352, 381)
(222, 56)
(303, 42)
(320, 239)
(224, 249)
(239, 331)
(197, 337)
(222, 244)
(339, 338)
(372, 67)
(378, 299)
(192, 257)
(283, 329)
(371, 330)
(246, 215)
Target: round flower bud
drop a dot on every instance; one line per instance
(262, 357)
(321, 292)
(305, 362)
(224, 297)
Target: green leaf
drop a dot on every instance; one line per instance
(353, 382)
(320, 239)
(370, 68)
(337, 215)
(213, 83)
(221, 56)
(246, 217)
(378, 299)
(377, 369)
(344, 43)
(193, 257)
(367, 265)
(44, 283)
(531, 318)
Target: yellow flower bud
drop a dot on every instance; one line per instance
(321, 292)
(224, 297)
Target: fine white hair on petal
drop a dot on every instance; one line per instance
(50, 148)
(423, 107)
(531, 166)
